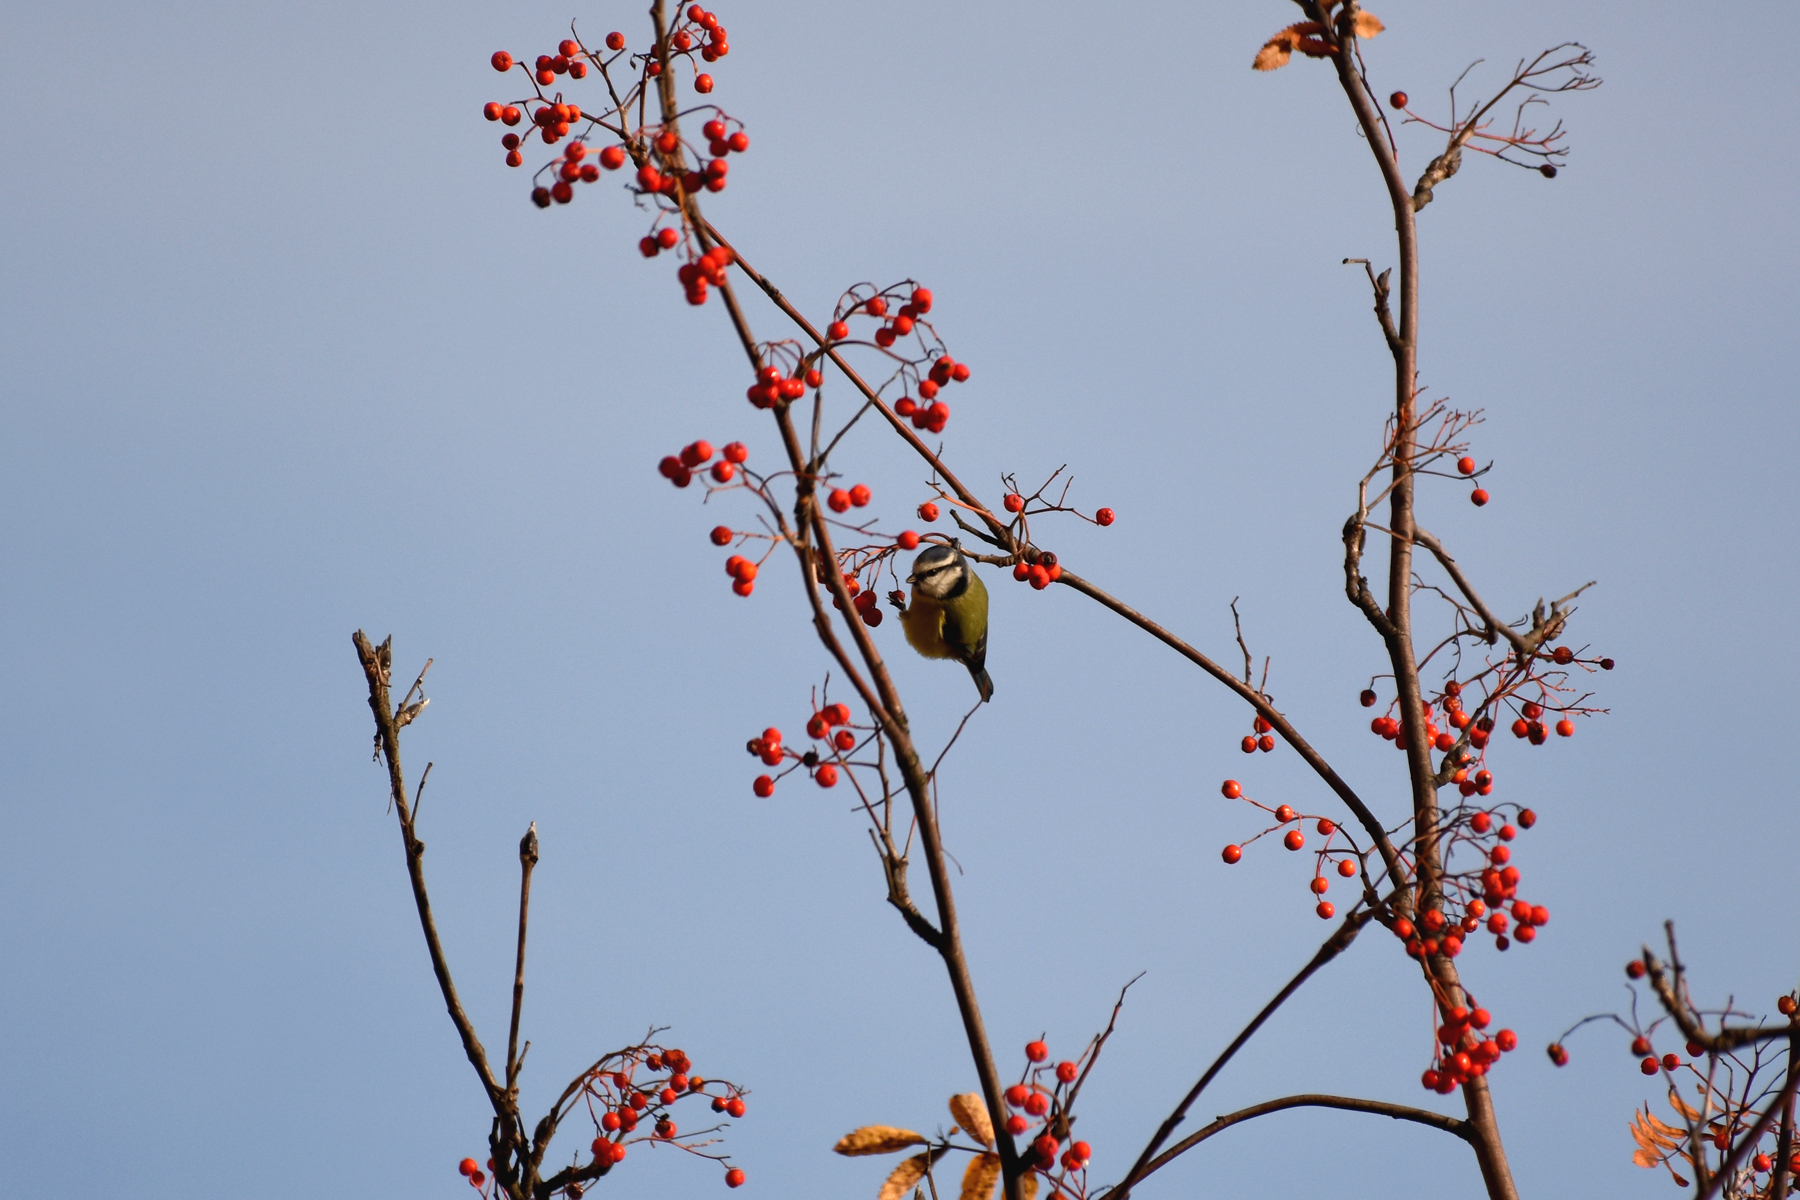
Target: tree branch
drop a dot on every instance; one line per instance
(1336, 944)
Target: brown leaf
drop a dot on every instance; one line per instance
(877, 1139)
(1276, 50)
(1651, 1133)
(906, 1176)
(1367, 25)
(1271, 56)
(1679, 1181)
(1029, 1184)
(971, 1113)
(1680, 1106)
(1644, 1158)
(980, 1178)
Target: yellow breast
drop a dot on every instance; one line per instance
(923, 621)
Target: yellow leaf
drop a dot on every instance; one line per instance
(877, 1139)
(980, 1178)
(971, 1113)
(1367, 25)
(906, 1176)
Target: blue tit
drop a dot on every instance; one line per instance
(948, 616)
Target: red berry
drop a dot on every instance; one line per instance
(1478, 497)
(1013, 502)
(1294, 839)
(1558, 1055)
(1265, 743)
(1398, 100)
(1249, 744)
(1367, 697)
(502, 61)
(1403, 929)
(1346, 867)
(1016, 1124)
(1036, 1051)
(721, 535)
(1565, 728)
(743, 587)
(1466, 465)
(838, 500)
(467, 1166)
(928, 511)
(703, 84)
(1320, 885)
(1640, 1046)
(1327, 826)
(1015, 1095)
(1326, 911)
(734, 1178)
(908, 540)
(1066, 1071)
(860, 495)
(1231, 789)
(1232, 853)
(739, 142)
(764, 786)
(1785, 1006)
(723, 471)
(1037, 1104)
(1649, 1066)
(1284, 814)
(615, 41)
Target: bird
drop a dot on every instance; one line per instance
(948, 616)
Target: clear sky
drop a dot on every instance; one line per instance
(287, 352)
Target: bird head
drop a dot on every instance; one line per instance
(940, 571)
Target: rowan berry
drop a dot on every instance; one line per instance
(1649, 1066)
(838, 500)
(1037, 1104)
(1105, 516)
(1762, 1162)
(1284, 814)
(703, 84)
(1294, 839)
(502, 61)
(1478, 497)
(1557, 1054)
(1036, 1051)
(928, 511)
(1398, 99)
(1785, 1006)
(1565, 728)
(1403, 929)
(1508, 833)
(1066, 1071)
(1231, 789)
(1326, 826)
(1013, 502)
(1016, 1124)
(1640, 1046)
(743, 587)
(1346, 867)
(669, 1095)
(860, 495)
(844, 740)
(1231, 854)
(467, 1166)
(1320, 884)
(1548, 171)
(1265, 743)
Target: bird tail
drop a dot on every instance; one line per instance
(982, 683)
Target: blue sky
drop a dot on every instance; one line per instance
(287, 353)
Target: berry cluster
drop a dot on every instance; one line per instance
(1041, 1099)
(619, 1098)
(1345, 859)
(679, 469)
(830, 725)
(927, 412)
(1463, 1051)
(774, 386)
(665, 173)
(1465, 466)
(1476, 898)
(1261, 736)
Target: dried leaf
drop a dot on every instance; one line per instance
(906, 1176)
(1679, 1181)
(1271, 56)
(877, 1139)
(1367, 25)
(1314, 48)
(972, 1114)
(1680, 1106)
(1276, 50)
(1029, 1184)
(980, 1178)
(1651, 1133)
(1644, 1158)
